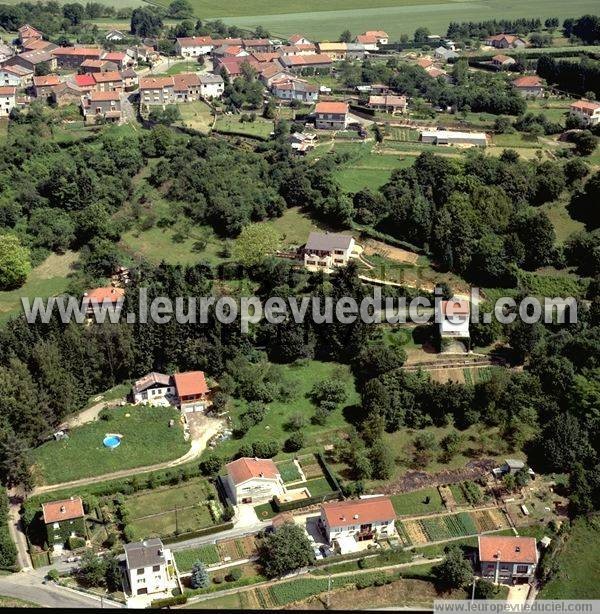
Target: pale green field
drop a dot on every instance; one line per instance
(326, 21)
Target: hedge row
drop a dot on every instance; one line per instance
(173, 539)
(169, 601)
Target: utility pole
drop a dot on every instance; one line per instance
(473, 591)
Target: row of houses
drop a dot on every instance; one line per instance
(184, 87)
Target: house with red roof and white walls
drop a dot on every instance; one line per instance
(250, 480)
(507, 559)
(64, 519)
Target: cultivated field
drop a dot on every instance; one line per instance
(326, 20)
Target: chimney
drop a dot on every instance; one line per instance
(517, 548)
(355, 516)
(63, 509)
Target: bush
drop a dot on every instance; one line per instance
(168, 601)
(294, 442)
(75, 542)
(234, 575)
(218, 579)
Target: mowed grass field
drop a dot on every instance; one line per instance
(326, 20)
(147, 440)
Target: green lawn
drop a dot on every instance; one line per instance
(223, 602)
(418, 502)
(564, 224)
(50, 278)
(172, 522)
(147, 440)
(370, 171)
(578, 564)
(231, 123)
(289, 471)
(185, 559)
(163, 499)
(196, 115)
(294, 227)
(301, 377)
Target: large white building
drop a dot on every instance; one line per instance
(587, 110)
(151, 569)
(211, 86)
(253, 479)
(362, 519)
(453, 318)
(194, 46)
(8, 99)
(327, 250)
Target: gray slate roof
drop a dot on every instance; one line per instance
(325, 242)
(144, 554)
(206, 79)
(150, 380)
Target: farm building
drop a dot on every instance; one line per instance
(451, 137)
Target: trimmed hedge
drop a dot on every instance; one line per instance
(199, 533)
(169, 601)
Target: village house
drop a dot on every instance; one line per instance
(192, 391)
(233, 66)
(335, 50)
(63, 519)
(16, 75)
(156, 91)
(154, 389)
(272, 72)
(94, 66)
(193, 46)
(211, 86)
(302, 142)
(331, 115)
(306, 63)
(359, 520)
(453, 318)
(503, 61)
(43, 85)
(229, 51)
(130, 79)
(327, 250)
(507, 559)
(586, 110)
(434, 72)
(380, 36)
(107, 295)
(6, 51)
(424, 63)
(103, 106)
(295, 89)
(299, 39)
(444, 54)
(529, 86)
(8, 99)
(108, 81)
(28, 32)
(453, 137)
(31, 59)
(66, 92)
(355, 51)
(86, 83)
(115, 36)
(73, 57)
(38, 44)
(389, 103)
(186, 87)
(506, 41)
(150, 570)
(511, 466)
(263, 45)
(118, 58)
(369, 42)
(269, 56)
(253, 479)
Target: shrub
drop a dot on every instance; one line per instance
(218, 579)
(234, 575)
(75, 542)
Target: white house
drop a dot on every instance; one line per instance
(507, 559)
(194, 46)
(299, 39)
(362, 519)
(15, 76)
(453, 318)
(211, 86)
(253, 479)
(8, 99)
(587, 110)
(453, 137)
(327, 250)
(295, 89)
(115, 35)
(151, 570)
(154, 388)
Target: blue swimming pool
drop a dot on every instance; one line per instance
(111, 441)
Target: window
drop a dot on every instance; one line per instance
(156, 568)
(140, 571)
(522, 569)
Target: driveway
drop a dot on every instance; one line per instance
(518, 593)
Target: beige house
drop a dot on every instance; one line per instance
(587, 110)
(327, 250)
(101, 105)
(253, 479)
(507, 560)
(529, 85)
(336, 51)
(331, 115)
(389, 103)
(194, 46)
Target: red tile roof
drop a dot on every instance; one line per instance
(67, 509)
(195, 41)
(97, 295)
(361, 511)
(155, 83)
(586, 105)
(424, 62)
(295, 38)
(7, 90)
(190, 383)
(85, 80)
(110, 75)
(299, 60)
(83, 51)
(507, 549)
(366, 39)
(244, 469)
(529, 81)
(455, 307)
(184, 81)
(332, 107)
(46, 80)
(114, 56)
(377, 33)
